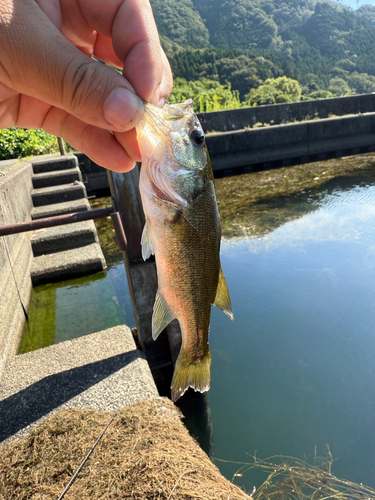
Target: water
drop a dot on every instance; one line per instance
(69, 309)
(296, 369)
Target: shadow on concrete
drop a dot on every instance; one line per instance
(37, 400)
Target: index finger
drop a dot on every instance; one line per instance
(135, 40)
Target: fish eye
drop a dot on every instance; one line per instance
(197, 137)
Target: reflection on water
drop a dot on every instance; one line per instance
(297, 368)
(255, 204)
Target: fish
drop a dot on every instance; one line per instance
(182, 230)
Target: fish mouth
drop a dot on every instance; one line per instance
(168, 113)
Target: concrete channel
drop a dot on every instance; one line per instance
(33, 189)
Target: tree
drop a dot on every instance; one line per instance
(274, 91)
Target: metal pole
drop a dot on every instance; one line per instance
(61, 146)
(58, 220)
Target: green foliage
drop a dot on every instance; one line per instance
(339, 87)
(367, 14)
(318, 94)
(275, 91)
(255, 40)
(17, 143)
(207, 95)
(346, 64)
(361, 84)
(179, 21)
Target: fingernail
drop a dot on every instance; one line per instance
(123, 109)
(161, 102)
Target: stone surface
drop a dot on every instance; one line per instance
(67, 207)
(15, 257)
(56, 178)
(53, 162)
(102, 371)
(58, 194)
(59, 238)
(6, 164)
(66, 264)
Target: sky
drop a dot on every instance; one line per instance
(354, 4)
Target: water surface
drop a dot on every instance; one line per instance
(296, 370)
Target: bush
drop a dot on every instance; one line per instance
(274, 91)
(18, 142)
(207, 95)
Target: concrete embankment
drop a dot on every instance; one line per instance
(15, 256)
(276, 114)
(41, 187)
(101, 371)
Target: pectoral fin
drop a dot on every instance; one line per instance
(222, 299)
(147, 243)
(161, 317)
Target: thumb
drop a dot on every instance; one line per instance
(37, 60)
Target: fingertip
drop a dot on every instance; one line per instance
(129, 142)
(100, 145)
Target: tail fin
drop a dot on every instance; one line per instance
(191, 373)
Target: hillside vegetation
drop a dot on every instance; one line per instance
(327, 48)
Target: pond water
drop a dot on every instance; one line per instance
(296, 371)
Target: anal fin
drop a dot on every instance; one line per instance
(161, 316)
(222, 299)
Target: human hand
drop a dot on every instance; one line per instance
(49, 80)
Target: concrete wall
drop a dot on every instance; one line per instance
(307, 141)
(15, 257)
(223, 121)
(95, 178)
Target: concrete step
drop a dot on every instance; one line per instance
(54, 163)
(56, 178)
(58, 194)
(67, 264)
(67, 207)
(103, 371)
(57, 239)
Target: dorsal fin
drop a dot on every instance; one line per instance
(222, 299)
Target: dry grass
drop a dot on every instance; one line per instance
(145, 454)
(294, 479)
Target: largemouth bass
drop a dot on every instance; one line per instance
(183, 231)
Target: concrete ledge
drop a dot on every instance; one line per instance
(58, 194)
(295, 140)
(67, 207)
(52, 162)
(66, 264)
(57, 239)
(275, 114)
(56, 178)
(102, 371)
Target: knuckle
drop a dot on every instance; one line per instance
(81, 86)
